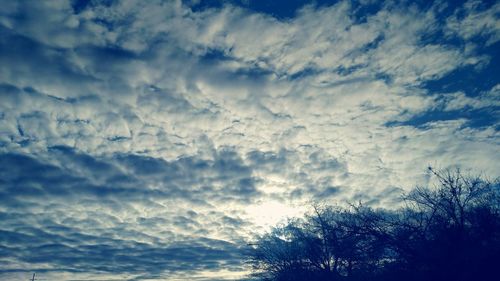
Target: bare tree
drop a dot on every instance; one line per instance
(450, 231)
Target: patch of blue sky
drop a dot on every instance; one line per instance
(280, 9)
(476, 118)
(362, 9)
(470, 79)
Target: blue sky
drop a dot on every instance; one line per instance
(150, 140)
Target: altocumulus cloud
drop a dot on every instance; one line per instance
(137, 137)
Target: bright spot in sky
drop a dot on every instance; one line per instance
(267, 214)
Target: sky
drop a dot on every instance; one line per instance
(152, 140)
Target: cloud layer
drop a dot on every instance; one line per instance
(144, 139)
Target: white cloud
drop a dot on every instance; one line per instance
(229, 107)
(472, 20)
(459, 100)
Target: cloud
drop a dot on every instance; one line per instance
(71, 251)
(153, 132)
(460, 100)
(475, 20)
(79, 211)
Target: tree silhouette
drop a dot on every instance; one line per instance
(446, 232)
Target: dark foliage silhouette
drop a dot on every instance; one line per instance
(447, 232)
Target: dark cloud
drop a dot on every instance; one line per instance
(30, 63)
(77, 175)
(70, 250)
(119, 180)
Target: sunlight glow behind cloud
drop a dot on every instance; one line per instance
(267, 214)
